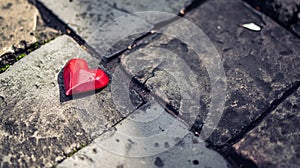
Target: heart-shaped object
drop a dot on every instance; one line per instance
(78, 78)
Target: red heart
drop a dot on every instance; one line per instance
(79, 78)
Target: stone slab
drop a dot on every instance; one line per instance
(99, 24)
(275, 141)
(17, 21)
(21, 26)
(149, 137)
(39, 125)
(259, 66)
(285, 12)
(111, 26)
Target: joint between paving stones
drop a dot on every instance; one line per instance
(188, 8)
(269, 11)
(54, 22)
(228, 146)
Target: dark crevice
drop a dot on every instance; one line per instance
(52, 21)
(229, 153)
(295, 86)
(10, 58)
(194, 4)
(237, 160)
(146, 93)
(278, 14)
(114, 6)
(152, 74)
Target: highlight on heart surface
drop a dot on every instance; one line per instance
(79, 78)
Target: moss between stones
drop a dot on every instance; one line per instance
(20, 56)
(14, 57)
(4, 68)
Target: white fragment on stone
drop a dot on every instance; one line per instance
(251, 26)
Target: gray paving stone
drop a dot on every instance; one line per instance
(21, 26)
(259, 66)
(149, 137)
(38, 126)
(275, 142)
(109, 21)
(17, 20)
(284, 11)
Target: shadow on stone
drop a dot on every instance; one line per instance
(62, 92)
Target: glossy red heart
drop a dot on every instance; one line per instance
(79, 78)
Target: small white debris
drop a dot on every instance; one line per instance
(182, 11)
(251, 26)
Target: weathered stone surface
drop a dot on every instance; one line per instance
(99, 23)
(149, 137)
(259, 66)
(39, 125)
(21, 25)
(285, 12)
(275, 141)
(17, 20)
(111, 22)
(295, 28)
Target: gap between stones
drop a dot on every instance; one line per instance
(51, 20)
(228, 153)
(288, 25)
(227, 150)
(10, 58)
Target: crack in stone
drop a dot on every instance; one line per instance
(188, 8)
(2, 101)
(152, 74)
(114, 6)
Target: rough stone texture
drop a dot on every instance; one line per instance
(98, 21)
(21, 26)
(275, 141)
(259, 66)
(95, 21)
(17, 20)
(39, 125)
(149, 137)
(286, 12)
(295, 28)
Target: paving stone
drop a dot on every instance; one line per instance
(39, 125)
(21, 26)
(149, 137)
(259, 66)
(98, 21)
(275, 141)
(295, 28)
(17, 20)
(286, 12)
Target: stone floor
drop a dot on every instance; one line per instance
(22, 30)
(190, 86)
